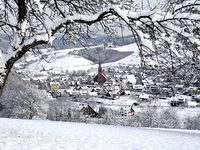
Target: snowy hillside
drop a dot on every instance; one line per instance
(66, 63)
(45, 135)
(62, 60)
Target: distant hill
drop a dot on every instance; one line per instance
(59, 43)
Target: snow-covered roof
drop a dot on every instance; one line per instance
(54, 83)
(192, 103)
(185, 97)
(131, 78)
(179, 85)
(138, 86)
(144, 96)
(147, 81)
(180, 97)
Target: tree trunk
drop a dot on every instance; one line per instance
(4, 78)
(1, 90)
(5, 73)
(22, 9)
(22, 15)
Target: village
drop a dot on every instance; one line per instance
(116, 87)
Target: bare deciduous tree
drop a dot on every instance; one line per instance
(29, 23)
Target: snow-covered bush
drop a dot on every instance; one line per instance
(110, 117)
(192, 123)
(102, 111)
(1, 107)
(59, 113)
(157, 118)
(21, 99)
(168, 118)
(147, 117)
(63, 112)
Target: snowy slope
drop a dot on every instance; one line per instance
(46, 135)
(68, 62)
(129, 47)
(62, 60)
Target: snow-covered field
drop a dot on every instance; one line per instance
(69, 62)
(48, 135)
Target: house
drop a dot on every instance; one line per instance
(153, 89)
(174, 103)
(165, 92)
(108, 45)
(132, 79)
(129, 85)
(123, 111)
(55, 94)
(138, 88)
(111, 95)
(180, 100)
(96, 89)
(100, 77)
(192, 104)
(131, 112)
(54, 86)
(88, 111)
(179, 87)
(63, 92)
(144, 97)
(77, 85)
(93, 94)
(147, 82)
(102, 92)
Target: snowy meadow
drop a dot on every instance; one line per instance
(46, 135)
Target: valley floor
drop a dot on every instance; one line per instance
(49, 135)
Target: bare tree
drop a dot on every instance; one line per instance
(29, 23)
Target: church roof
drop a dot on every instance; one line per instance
(89, 111)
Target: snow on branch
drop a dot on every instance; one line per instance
(78, 18)
(90, 19)
(152, 18)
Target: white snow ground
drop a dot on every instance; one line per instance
(48, 135)
(127, 48)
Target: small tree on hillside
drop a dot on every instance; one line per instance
(192, 123)
(147, 117)
(168, 118)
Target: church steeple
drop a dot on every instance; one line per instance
(99, 68)
(100, 78)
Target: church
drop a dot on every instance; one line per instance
(100, 77)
